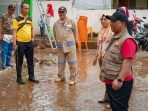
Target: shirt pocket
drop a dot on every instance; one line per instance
(68, 28)
(115, 54)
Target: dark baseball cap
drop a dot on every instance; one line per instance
(118, 16)
(11, 6)
(62, 8)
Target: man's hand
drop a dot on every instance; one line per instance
(14, 46)
(33, 39)
(116, 84)
(1, 31)
(94, 62)
(101, 78)
(77, 40)
(1, 38)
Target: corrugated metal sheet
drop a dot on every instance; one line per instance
(4, 6)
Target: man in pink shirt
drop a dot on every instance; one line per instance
(116, 71)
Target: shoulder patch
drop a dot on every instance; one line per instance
(3, 18)
(3, 14)
(29, 19)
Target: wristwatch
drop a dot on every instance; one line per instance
(120, 80)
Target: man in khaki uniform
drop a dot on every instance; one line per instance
(65, 34)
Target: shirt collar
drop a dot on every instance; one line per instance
(121, 34)
(23, 16)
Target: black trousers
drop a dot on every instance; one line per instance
(119, 98)
(27, 49)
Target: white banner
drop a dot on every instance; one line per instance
(92, 4)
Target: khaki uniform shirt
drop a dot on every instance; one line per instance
(65, 35)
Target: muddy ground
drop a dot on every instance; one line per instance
(50, 96)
